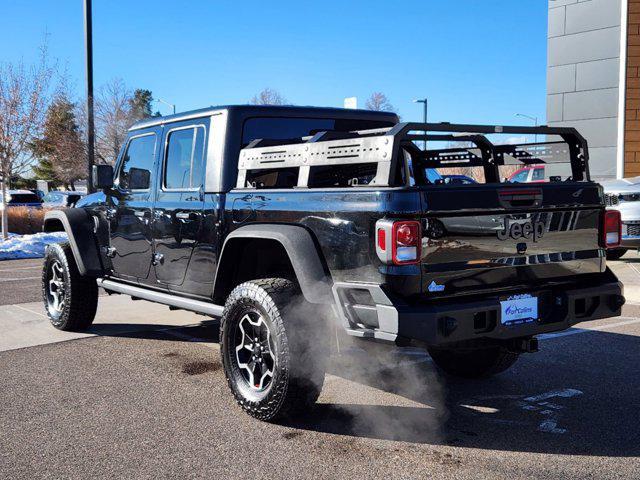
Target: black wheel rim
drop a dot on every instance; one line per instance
(254, 351)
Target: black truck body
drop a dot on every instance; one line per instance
(287, 192)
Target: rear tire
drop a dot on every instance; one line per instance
(272, 348)
(70, 299)
(475, 363)
(616, 253)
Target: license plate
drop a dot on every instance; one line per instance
(519, 309)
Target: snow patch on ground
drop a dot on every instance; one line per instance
(28, 246)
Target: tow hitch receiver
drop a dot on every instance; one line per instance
(524, 345)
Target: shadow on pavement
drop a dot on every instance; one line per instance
(570, 398)
(205, 332)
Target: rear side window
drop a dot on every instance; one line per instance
(137, 163)
(184, 162)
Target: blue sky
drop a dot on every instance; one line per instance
(476, 60)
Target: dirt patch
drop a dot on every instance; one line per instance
(198, 368)
(290, 435)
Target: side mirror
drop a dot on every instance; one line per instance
(102, 177)
(139, 179)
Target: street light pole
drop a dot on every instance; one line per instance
(88, 46)
(173, 107)
(425, 102)
(535, 121)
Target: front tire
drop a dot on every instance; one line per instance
(272, 348)
(70, 299)
(474, 363)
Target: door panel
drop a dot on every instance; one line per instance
(200, 273)
(177, 221)
(179, 204)
(130, 221)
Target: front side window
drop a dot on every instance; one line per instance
(137, 163)
(184, 159)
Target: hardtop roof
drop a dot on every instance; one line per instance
(269, 110)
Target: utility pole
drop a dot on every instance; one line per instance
(88, 47)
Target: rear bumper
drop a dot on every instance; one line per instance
(630, 242)
(630, 234)
(458, 321)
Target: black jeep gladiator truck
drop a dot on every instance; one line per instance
(299, 227)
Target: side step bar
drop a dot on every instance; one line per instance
(197, 306)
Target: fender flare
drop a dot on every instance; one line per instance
(79, 226)
(302, 252)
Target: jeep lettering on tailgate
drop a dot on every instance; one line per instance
(533, 230)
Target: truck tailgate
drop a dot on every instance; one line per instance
(524, 235)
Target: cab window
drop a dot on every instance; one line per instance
(137, 163)
(183, 166)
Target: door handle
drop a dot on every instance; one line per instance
(186, 215)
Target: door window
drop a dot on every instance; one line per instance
(137, 163)
(184, 165)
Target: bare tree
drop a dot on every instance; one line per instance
(379, 102)
(113, 118)
(23, 100)
(117, 108)
(268, 96)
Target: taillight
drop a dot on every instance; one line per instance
(398, 242)
(611, 229)
(406, 242)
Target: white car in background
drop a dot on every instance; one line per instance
(624, 196)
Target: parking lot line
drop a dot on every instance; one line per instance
(17, 279)
(634, 268)
(35, 267)
(30, 311)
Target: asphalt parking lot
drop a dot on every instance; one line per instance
(143, 395)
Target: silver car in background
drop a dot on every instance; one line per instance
(624, 196)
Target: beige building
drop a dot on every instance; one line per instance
(593, 79)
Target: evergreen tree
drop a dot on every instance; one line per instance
(60, 149)
(140, 104)
(43, 170)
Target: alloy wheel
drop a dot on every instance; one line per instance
(56, 291)
(254, 351)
